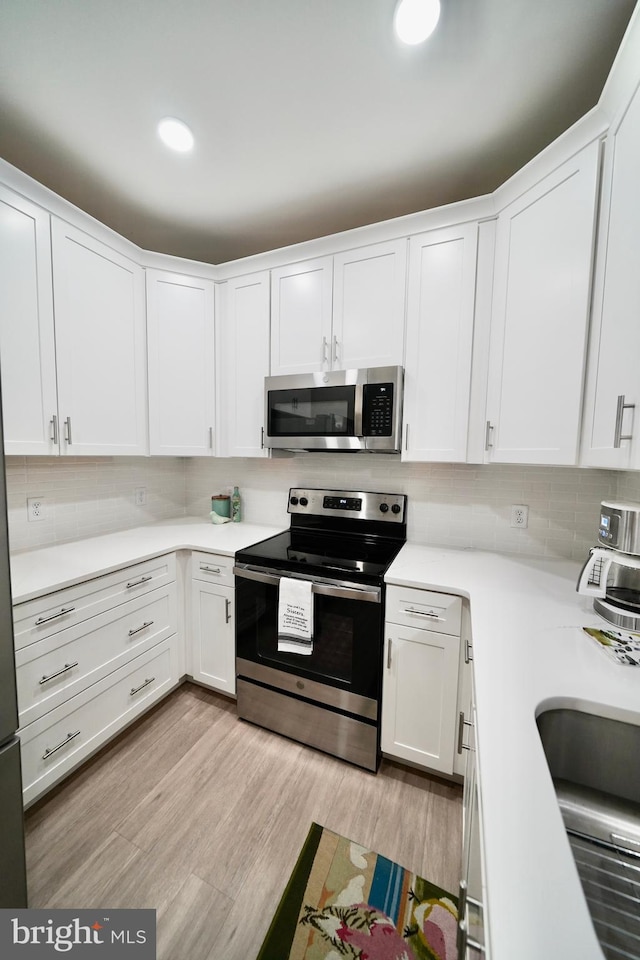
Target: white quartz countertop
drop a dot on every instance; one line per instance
(36, 572)
(529, 654)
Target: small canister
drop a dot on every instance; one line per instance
(220, 505)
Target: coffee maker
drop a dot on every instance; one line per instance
(612, 572)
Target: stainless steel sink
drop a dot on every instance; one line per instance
(595, 765)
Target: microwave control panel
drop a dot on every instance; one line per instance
(377, 409)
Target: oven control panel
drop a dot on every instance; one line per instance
(390, 507)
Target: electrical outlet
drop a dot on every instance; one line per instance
(141, 496)
(36, 509)
(520, 515)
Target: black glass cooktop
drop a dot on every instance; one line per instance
(330, 555)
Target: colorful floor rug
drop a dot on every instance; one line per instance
(344, 901)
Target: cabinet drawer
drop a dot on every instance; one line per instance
(212, 567)
(54, 669)
(440, 612)
(49, 614)
(59, 741)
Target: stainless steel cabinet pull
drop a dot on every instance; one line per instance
(58, 673)
(389, 654)
(618, 435)
(462, 723)
(136, 583)
(69, 737)
(325, 350)
(465, 942)
(467, 652)
(54, 616)
(144, 626)
(206, 569)
(488, 441)
(67, 428)
(54, 429)
(262, 438)
(146, 683)
(423, 613)
(406, 437)
(335, 349)
(211, 438)
(227, 610)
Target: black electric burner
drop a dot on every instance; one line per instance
(339, 534)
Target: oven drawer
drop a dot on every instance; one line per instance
(439, 612)
(212, 568)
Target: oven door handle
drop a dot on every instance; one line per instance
(343, 590)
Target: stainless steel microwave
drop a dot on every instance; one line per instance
(346, 411)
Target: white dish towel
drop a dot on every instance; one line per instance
(295, 616)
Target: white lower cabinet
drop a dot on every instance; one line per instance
(89, 659)
(420, 684)
(212, 622)
(56, 743)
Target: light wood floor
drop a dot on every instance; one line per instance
(201, 816)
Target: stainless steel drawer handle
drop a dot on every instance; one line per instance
(227, 610)
(67, 427)
(467, 652)
(54, 429)
(423, 613)
(136, 583)
(618, 435)
(69, 737)
(146, 683)
(389, 654)
(206, 569)
(54, 616)
(143, 626)
(462, 723)
(58, 673)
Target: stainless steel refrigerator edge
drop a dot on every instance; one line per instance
(13, 875)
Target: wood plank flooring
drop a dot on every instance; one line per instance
(202, 816)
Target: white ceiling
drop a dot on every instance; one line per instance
(309, 116)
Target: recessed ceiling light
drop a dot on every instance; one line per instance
(415, 20)
(175, 134)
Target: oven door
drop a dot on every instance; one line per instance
(345, 668)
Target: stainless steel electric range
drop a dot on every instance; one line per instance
(340, 542)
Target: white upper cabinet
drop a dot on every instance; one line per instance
(27, 347)
(340, 312)
(611, 436)
(243, 363)
(181, 368)
(369, 306)
(301, 317)
(542, 286)
(441, 297)
(100, 345)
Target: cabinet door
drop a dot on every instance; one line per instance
(369, 287)
(442, 270)
(419, 696)
(613, 377)
(544, 248)
(301, 317)
(243, 363)
(27, 349)
(213, 636)
(180, 347)
(100, 345)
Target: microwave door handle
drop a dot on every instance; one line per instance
(358, 410)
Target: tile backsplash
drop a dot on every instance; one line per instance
(89, 496)
(458, 505)
(461, 505)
